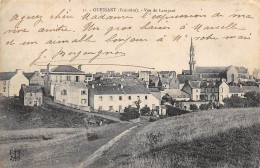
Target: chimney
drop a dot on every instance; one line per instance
(93, 86)
(79, 67)
(48, 68)
(19, 71)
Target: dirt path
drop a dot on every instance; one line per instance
(96, 155)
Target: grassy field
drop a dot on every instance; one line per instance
(216, 138)
(13, 115)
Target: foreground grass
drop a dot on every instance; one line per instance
(13, 115)
(236, 148)
(200, 139)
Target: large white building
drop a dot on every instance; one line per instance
(116, 98)
(10, 83)
(60, 74)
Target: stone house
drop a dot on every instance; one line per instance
(34, 78)
(31, 95)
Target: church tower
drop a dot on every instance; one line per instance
(192, 61)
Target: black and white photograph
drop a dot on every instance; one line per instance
(129, 84)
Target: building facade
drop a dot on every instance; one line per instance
(72, 94)
(31, 95)
(10, 83)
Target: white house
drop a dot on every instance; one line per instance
(10, 83)
(60, 74)
(193, 89)
(116, 98)
(72, 94)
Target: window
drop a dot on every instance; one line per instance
(221, 89)
(110, 108)
(68, 78)
(129, 98)
(100, 108)
(146, 97)
(64, 92)
(77, 78)
(4, 89)
(83, 101)
(120, 97)
(111, 98)
(145, 105)
(4, 82)
(120, 108)
(100, 98)
(197, 96)
(138, 97)
(83, 92)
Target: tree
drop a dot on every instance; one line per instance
(253, 99)
(145, 111)
(203, 107)
(137, 103)
(129, 113)
(193, 107)
(235, 102)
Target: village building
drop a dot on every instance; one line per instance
(177, 94)
(34, 78)
(31, 95)
(72, 94)
(60, 74)
(117, 98)
(88, 77)
(10, 83)
(193, 89)
(144, 76)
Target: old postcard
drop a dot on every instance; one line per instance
(129, 84)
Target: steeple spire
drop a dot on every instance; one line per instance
(192, 61)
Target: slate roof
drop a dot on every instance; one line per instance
(32, 89)
(185, 71)
(6, 75)
(66, 69)
(183, 78)
(241, 69)
(154, 89)
(88, 75)
(235, 89)
(251, 88)
(209, 69)
(177, 93)
(195, 84)
(28, 75)
(107, 90)
(136, 89)
(110, 90)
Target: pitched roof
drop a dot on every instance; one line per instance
(6, 75)
(251, 88)
(235, 89)
(183, 78)
(28, 75)
(177, 93)
(32, 89)
(241, 69)
(107, 90)
(136, 89)
(66, 69)
(209, 69)
(195, 84)
(154, 89)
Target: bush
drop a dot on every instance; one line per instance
(253, 99)
(173, 111)
(129, 113)
(204, 107)
(193, 107)
(235, 102)
(145, 111)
